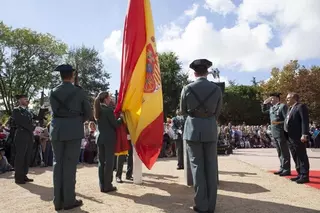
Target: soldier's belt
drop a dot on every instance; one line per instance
(277, 122)
(67, 116)
(198, 114)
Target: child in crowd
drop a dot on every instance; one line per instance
(4, 165)
(83, 146)
(91, 147)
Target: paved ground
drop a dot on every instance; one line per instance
(268, 160)
(244, 188)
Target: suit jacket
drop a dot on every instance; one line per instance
(67, 125)
(107, 124)
(298, 121)
(277, 113)
(22, 119)
(201, 129)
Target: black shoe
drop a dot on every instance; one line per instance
(58, 208)
(285, 174)
(129, 178)
(295, 178)
(76, 204)
(278, 172)
(302, 180)
(119, 180)
(199, 211)
(180, 168)
(112, 189)
(26, 179)
(20, 182)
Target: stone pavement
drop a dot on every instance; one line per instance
(243, 188)
(268, 160)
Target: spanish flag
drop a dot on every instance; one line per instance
(140, 93)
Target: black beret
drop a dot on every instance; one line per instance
(21, 96)
(64, 68)
(275, 94)
(200, 63)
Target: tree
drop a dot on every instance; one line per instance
(92, 76)
(296, 78)
(27, 59)
(173, 80)
(242, 104)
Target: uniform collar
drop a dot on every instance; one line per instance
(22, 107)
(202, 78)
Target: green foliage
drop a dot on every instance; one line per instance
(4, 118)
(242, 104)
(27, 59)
(296, 78)
(92, 76)
(173, 80)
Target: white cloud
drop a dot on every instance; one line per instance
(245, 46)
(192, 11)
(112, 45)
(220, 6)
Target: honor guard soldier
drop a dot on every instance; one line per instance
(70, 109)
(278, 112)
(201, 101)
(23, 139)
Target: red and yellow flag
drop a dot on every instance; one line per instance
(140, 94)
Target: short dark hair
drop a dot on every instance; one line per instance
(201, 70)
(66, 75)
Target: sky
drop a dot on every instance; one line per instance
(243, 38)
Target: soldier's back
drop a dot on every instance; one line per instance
(67, 112)
(199, 128)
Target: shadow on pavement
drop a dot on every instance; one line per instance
(240, 187)
(159, 176)
(46, 194)
(180, 200)
(7, 175)
(241, 174)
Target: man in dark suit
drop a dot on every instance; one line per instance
(201, 102)
(70, 109)
(23, 139)
(297, 128)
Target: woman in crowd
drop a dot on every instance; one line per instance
(91, 146)
(106, 140)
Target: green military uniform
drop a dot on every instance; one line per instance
(201, 101)
(106, 141)
(278, 114)
(23, 142)
(70, 109)
(178, 123)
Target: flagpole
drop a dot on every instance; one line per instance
(137, 167)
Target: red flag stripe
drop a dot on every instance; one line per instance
(134, 41)
(148, 142)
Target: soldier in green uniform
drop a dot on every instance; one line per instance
(70, 109)
(23, 139)
(201, 101)
(278, 114)
(106, 140)
(178, 123)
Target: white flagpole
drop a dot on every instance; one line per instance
(137, 167)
